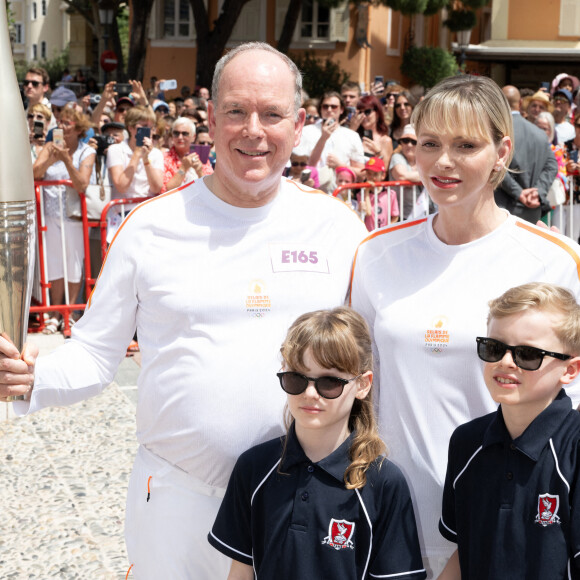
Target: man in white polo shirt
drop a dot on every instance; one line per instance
(211, 275)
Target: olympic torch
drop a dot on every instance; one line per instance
(17, 211)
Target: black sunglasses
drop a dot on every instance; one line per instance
(33, 83)
(327, 387)
(406, 141)
(177, 134)
(315, 117)
(528, 358)
(368, 112)
(299, 163)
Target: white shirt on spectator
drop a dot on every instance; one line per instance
(120, 154)
(344, 143)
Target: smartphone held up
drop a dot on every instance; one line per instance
(142, 132)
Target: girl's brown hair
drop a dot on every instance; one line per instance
(339, 339)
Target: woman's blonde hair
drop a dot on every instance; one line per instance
(81, 121)
(137, 114)
(339, 339)
(547, 297)
(41, 110)
(472, 103)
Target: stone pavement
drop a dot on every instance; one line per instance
(63, 480)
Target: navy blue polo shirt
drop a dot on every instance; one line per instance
(513, 506)
(304, 524)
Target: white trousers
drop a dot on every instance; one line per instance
(166, 536)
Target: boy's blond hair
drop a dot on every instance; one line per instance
(543, 296)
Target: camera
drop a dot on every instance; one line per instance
(123, 89)
(103, 142)
(305, 175)
(95, 99)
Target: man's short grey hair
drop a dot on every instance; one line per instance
(224, 60)
(184, 121)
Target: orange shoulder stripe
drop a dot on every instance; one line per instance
(548, 236)
(375, 234)
(167, 193)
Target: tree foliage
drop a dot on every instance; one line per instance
(320, 75)
(430, 7)
(427, 65)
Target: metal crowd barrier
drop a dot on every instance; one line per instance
(40, 293)
(567, 215)
(377, 187)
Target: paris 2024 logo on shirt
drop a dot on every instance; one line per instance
(548, 509)
(340, 534)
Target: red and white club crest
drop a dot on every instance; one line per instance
(340, 534)
(548, 509)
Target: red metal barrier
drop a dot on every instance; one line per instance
(89, 282)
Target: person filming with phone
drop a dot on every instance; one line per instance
(65, 157)
(329, 144)
(135, 166)
(184, 162)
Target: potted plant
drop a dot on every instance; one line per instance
(427, 65)
(458, 20)
(461, 22)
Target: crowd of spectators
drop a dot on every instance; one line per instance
(141, 142)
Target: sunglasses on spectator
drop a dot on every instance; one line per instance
(367, 112)
(327, 106)
(528, 358)
(327, 387)
(407, 140)
(561, 100)
(27, 82)
(315, 117)
(180, 133)
(299, 163)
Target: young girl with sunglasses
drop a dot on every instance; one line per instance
(321, 502)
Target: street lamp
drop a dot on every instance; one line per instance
(463, 38)
(106, 15)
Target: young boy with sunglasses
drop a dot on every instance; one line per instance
(510, 499)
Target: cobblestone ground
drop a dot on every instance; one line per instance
(63, 480)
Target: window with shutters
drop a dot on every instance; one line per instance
(394, 33)
(172, 23)
(314, 21)
(250, 24)
(569, 18)
(317, 27)
(177, 20)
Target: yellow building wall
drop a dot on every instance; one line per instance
(171, 63)
(533, 19)
(387, 35)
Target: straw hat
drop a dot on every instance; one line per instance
(538, 96)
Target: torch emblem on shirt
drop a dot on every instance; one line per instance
(548, 509)
(340, 533)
